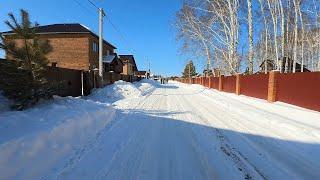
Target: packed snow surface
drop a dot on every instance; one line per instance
(150, 131)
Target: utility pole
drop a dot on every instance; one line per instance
(101, 15)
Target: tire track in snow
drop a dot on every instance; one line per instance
(137, 152)
(239, 160)
(279, 159)
(80, 153)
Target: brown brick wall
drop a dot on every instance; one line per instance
(69, 52)
(94, 56)
(73, 51)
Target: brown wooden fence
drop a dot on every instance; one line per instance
(76, 82)
(70, 81)
(301, 89)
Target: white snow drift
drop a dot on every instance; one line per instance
(39, 140)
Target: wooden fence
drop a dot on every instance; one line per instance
(76, 82)
(301, 89)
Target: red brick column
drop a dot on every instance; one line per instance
(221, 83)
(272, 86)
(238, 84)
(209, 79)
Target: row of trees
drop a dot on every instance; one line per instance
(232, 33)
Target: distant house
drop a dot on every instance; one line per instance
(142, 74)
(272, 66)
(74, 46)
(129, 66)
(112, 63)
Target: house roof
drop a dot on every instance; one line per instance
(109, 58)
(268, 61)
(283, 64)
(130, 59)
(74, 28)
(140, 72)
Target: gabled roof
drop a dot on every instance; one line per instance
(112, 58)
(130, 59)
(140, 72)
(74, 28)
(109, 58)
(270, 62)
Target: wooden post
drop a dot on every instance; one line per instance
(238, 84)
(221, 83)
(272, 86)
(209, 79)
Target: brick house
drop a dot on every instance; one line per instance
(129, 66)
(112, 63)
(142, 74)
(74, 46)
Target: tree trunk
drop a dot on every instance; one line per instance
(302, 38)
(275, 31)
(295, 54)
(250, 36)
(282, 34)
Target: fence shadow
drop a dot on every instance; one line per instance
(182, 141)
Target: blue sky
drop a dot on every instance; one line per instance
(145, 26)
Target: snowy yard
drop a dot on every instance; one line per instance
(151, 131)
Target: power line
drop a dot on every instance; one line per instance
(121, 35)
(124, 39)
(82, 6)
(111, 23)
(93, 4)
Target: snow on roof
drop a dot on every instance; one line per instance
(85, 27)
(108, 58)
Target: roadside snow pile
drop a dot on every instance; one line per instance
(34, 141)
(146, 86)
(122, 90)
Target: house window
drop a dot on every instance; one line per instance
(95, 47)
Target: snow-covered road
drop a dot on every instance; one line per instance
(173, 131)
(180, 131)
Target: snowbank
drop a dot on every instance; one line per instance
(35, 140)
(123, 90)
(39, 141)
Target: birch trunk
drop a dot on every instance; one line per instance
(282, 34)
(295, 46)
(275, 31)
(302, 38)
(250, 36)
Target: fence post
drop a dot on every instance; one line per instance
(272, 86)
(221, 82)
(238, 84)
(210, 82)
